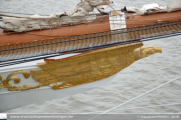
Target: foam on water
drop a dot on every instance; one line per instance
(141, 76)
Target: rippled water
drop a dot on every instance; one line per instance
(141, 76)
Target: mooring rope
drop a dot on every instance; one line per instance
(160, 86)
(153, 106)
